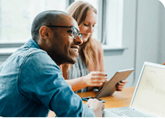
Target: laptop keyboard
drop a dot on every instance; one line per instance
(129, 113)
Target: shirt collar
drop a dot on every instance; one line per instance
(32, 44)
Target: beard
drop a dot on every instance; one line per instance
(59, 58)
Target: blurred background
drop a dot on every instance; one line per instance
(131, 31)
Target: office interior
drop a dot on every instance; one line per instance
(142, 38)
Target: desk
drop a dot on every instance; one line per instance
(118, 99)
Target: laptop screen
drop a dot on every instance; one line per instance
(150, 92)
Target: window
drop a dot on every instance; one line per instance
(16, 17)
(112, 24)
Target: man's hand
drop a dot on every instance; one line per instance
(164, 63)
(95, 78)
(120, 85)
(97, 106)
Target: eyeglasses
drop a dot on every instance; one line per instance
(75, 31)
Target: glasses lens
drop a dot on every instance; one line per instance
(80, 35)
(75, 32)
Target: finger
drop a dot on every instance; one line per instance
(98, 81)
(120, 89)
(124, 81)
(98, 77)
(95, 84)
(97, 73)
(120, 85)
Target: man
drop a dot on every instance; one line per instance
(31, 82)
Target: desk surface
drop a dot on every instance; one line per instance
(118, 99)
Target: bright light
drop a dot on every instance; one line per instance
(163, 2)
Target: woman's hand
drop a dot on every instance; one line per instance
(120, 85)
(95, 78)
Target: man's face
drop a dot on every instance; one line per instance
(63, 47)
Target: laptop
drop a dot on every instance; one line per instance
(149, 96)
(110, 87)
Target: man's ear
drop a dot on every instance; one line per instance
(44, 32)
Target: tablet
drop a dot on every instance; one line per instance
(110, 87)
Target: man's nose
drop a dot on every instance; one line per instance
(78, 40)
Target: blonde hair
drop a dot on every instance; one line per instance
(78, 10)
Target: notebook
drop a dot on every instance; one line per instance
(149, 96)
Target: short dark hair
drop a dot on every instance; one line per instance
(44, 18)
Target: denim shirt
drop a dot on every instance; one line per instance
(31, 83)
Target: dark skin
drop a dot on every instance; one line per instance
(58, 42)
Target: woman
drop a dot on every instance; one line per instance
(88, 71)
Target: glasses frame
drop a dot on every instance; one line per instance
(73, 30)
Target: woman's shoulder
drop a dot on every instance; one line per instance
(96, 43)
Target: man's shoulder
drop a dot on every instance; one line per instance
(29, 48)
(27, 51)
(32, 51)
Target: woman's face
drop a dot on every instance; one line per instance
(87, 27)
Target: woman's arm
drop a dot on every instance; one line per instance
(76, 83)
(92, 79)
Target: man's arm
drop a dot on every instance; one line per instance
(41, 81)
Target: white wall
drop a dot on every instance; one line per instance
(143, 35)
(162, 32)
(148, 33)
(115, 60)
